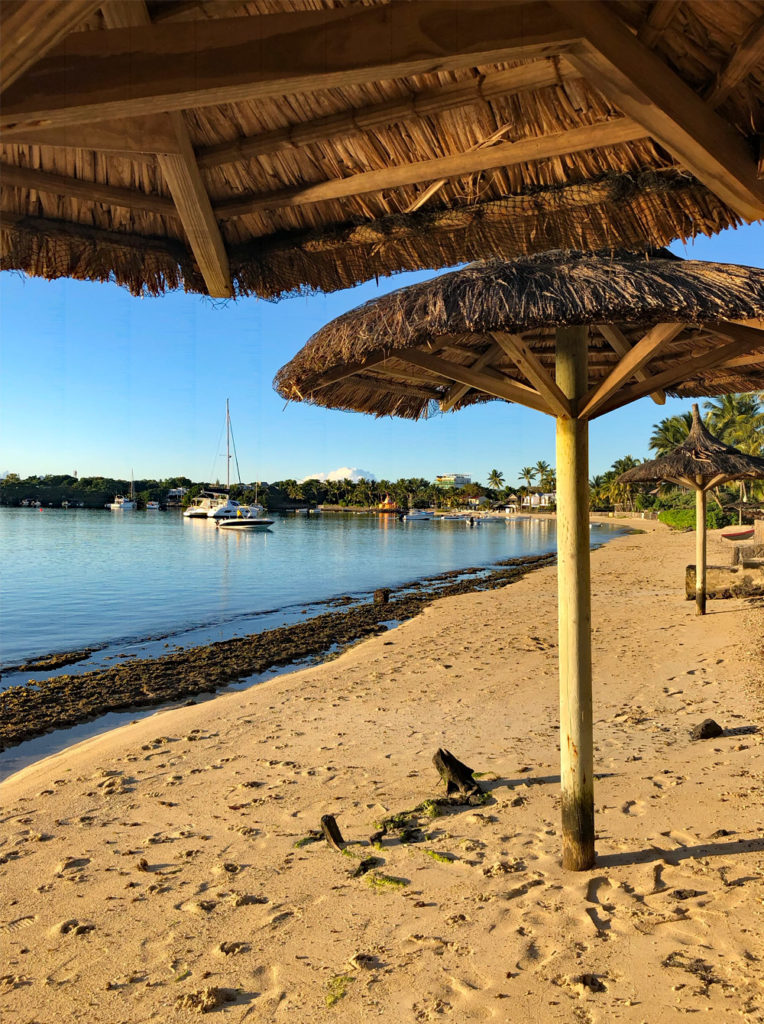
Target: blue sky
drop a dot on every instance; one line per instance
(96, 380)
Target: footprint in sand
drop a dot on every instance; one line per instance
(19, 923)
(635, 807)
(72, 927)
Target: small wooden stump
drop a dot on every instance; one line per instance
(332, 834)
(456, 775)
(382, 596)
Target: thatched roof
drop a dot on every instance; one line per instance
(702, 460)
(268, 146)
(488, 331)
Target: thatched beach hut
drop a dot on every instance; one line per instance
(571, 335)
(699, 463)
(265, 146)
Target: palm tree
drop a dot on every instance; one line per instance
(543, 469)
(495, 479)
(738, 420)
(669, 433)
(528, 475)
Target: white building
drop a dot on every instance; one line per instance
(453, 480)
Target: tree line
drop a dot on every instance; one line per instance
(737, 420)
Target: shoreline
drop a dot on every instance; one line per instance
(169, 857)
(40, 707)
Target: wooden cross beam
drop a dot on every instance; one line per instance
(491, 383)
(92, 191)
(94, 76)
(533, 75)
(745, 57)
(531, 368)
(503, 154)
(457, 391)
(686, 370)
(30, 28)
(617, 340)
(182, 174)
(628, 365)
(140, 137)
(647, 90)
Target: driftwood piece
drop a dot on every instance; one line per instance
(382, 596)
(332, 834)
(457, 776)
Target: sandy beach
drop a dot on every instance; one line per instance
(157, 871)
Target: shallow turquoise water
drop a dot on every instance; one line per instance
(79, 578)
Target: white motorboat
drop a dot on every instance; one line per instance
(452, 519)
(417, 515)
(204, 503)
(152, 506)
(247, 517)
(122, 504)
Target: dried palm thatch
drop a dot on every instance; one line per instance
(488, 331)
(269, 146)
(700, 461)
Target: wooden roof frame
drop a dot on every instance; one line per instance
(124, 90)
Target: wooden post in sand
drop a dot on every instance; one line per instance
(700, 549)
(574, 607)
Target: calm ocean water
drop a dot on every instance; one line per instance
(134, 584)
(79, 578)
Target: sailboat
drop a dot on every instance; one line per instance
(122, 504)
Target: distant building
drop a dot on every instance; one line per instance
(175, 496)
(448, 480)
(539, 500)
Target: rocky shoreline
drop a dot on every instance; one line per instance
(39, 707)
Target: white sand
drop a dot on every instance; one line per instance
(212, 798)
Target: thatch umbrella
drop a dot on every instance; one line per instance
(700, 463)
(572, 336)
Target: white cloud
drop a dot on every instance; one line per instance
(343, 473)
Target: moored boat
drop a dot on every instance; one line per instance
(743, 534)
(417, 515)
(247, 517)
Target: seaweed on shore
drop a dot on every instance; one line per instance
(62, 701)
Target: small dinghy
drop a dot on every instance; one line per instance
(744, 534)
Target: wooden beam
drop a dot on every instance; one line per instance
(647, 90)
(322, 380)
(533, 75)
(618, 341)
(177, 65)
(535, 373)
(657, 20)
(60, 185)
(393, 388)
(457, 391)
(30, 28)
(745, 57)
(182, 174)
(491, 384)
(138, 136)
(628, 365)
(503, 154)
(680, 372)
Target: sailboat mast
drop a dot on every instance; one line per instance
(227, 447)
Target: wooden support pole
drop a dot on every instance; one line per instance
(574, 608)
(700, 550)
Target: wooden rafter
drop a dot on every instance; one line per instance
(389, 387)
(618, 341)
(744, 58)
(503, 154)
(628, 365)
(647, 90)
(176, 66)
(138, 136)
(91, 191)
(322, 380)
(457, 391)
(532, 369)
(533, 75)
(181, 173)
(657, 20)
(30, 28)
(495, 384)
(683, 371)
